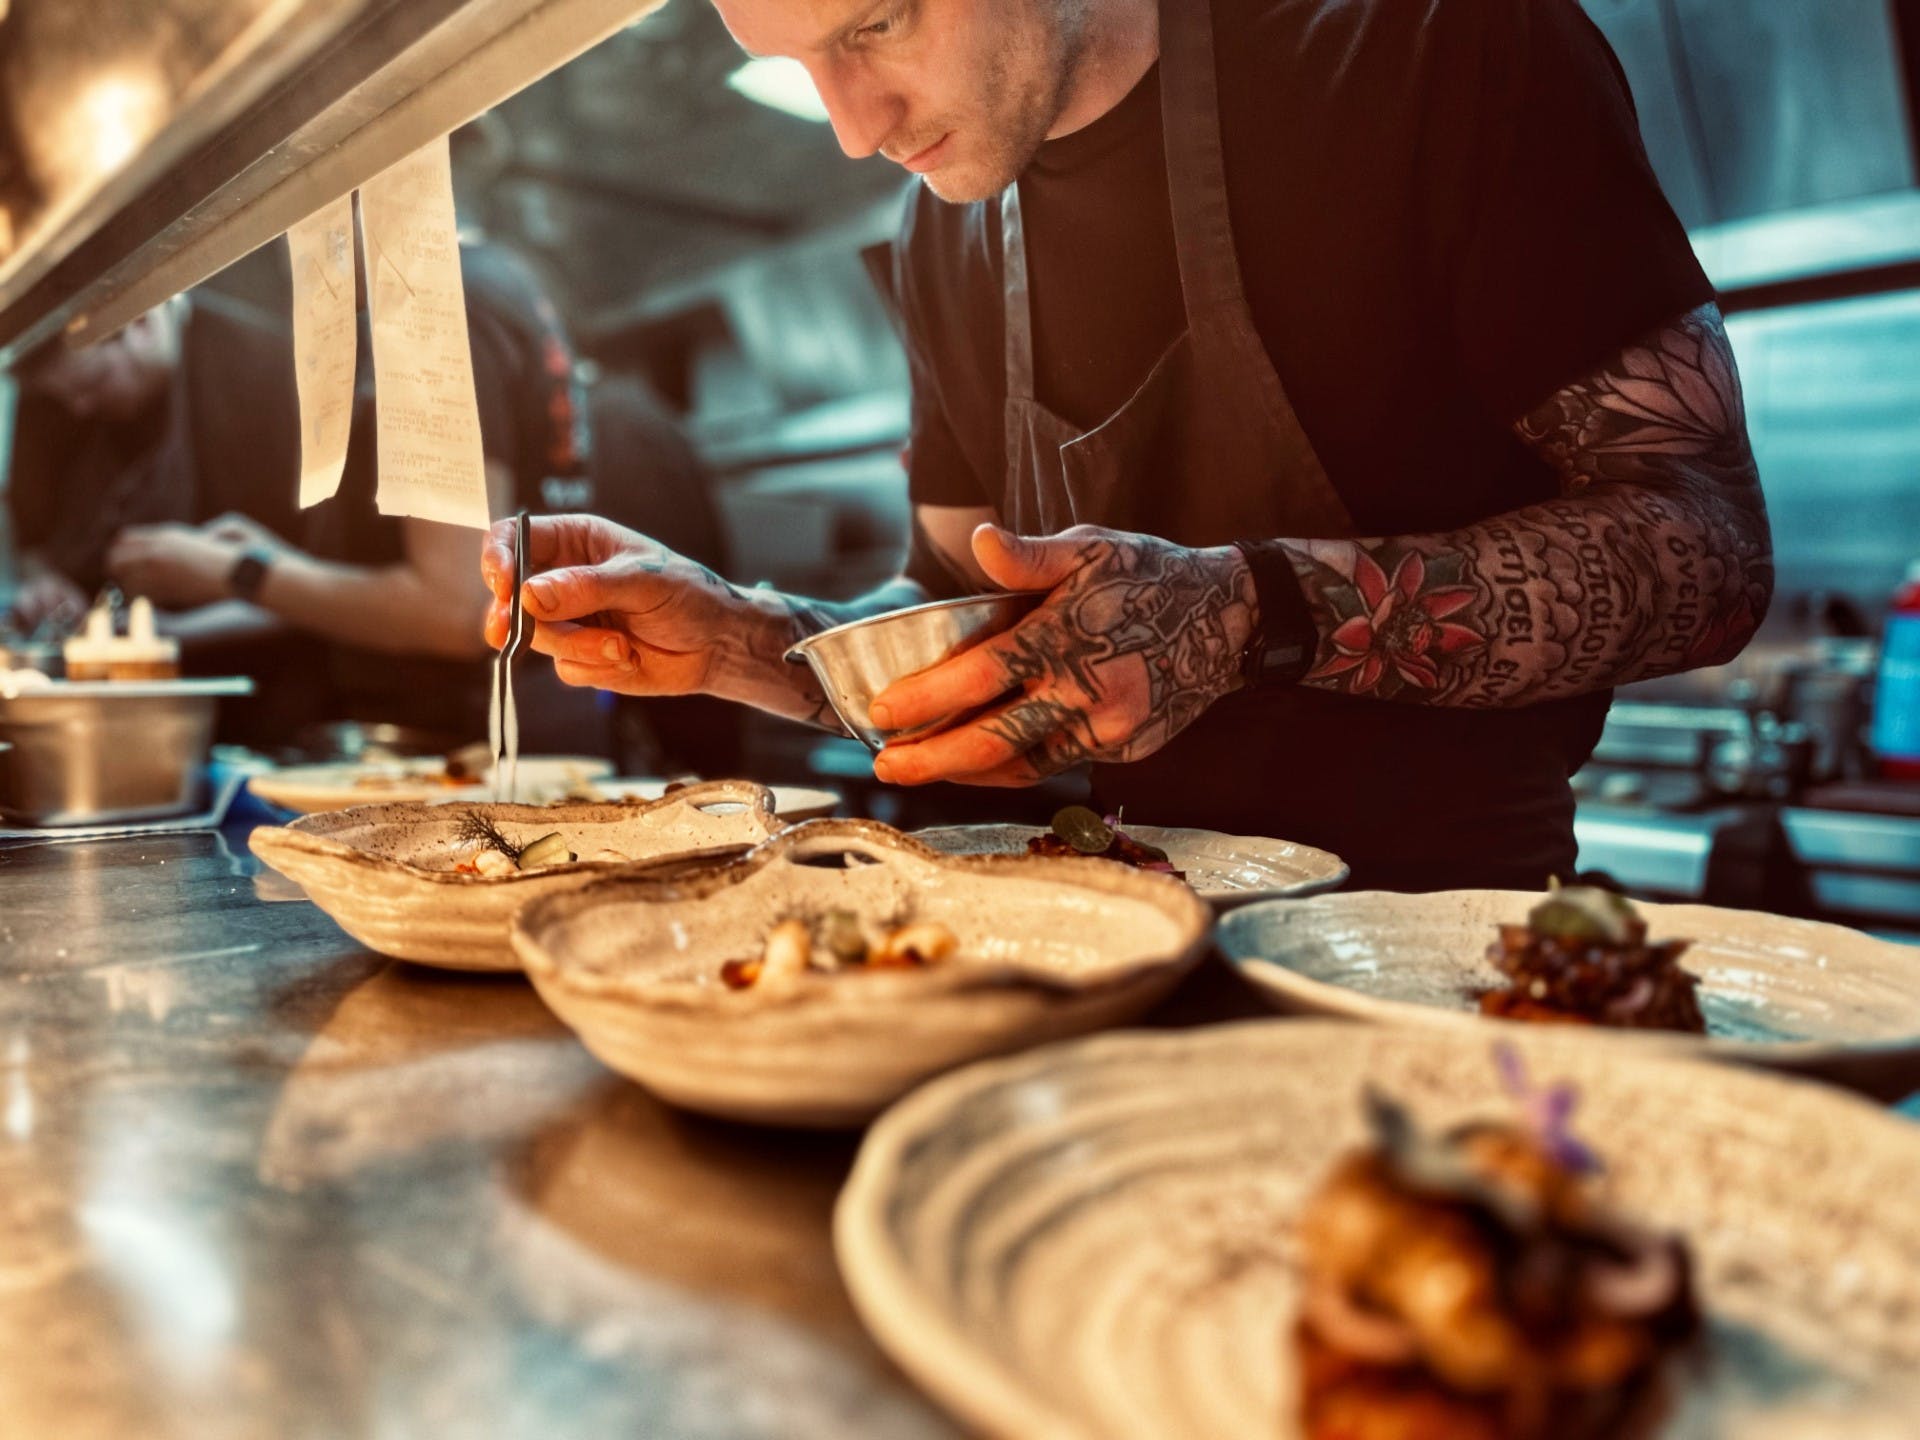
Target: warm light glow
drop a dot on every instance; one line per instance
(117, 113)
(782, 84)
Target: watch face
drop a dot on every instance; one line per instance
(247, 574)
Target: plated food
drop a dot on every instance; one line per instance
(1225, 870)
(979, 955)
(1106, 1238)
(406, 880)
(1583, 958)
(1769, 989)
(1472, 1284)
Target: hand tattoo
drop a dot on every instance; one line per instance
(1656, 557)
(1131, 649)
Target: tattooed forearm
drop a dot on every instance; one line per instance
(1656, 557)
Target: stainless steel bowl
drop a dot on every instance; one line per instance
(856, 662)
(108, 751)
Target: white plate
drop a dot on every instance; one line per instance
(1095, 1239)
(1772, 989)
(1225, 870)
(793, 803)
(307, 789)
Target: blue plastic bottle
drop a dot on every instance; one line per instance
(1896, 704)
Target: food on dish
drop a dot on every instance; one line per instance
(1471, 1286)
(838, 941)
(99, 653)
(1583, 958)
(493, 854)
(1078, 831)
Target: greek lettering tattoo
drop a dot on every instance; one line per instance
(1654, 558)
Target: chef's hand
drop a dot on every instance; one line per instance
(1135, 639)
(177, 567)
(49, 599)
(246, 532)
(614, 609)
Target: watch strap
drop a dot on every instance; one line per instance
(1282, 647)
(249, 572)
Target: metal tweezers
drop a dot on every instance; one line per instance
(503, 662)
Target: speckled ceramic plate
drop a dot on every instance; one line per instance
(794, 803)
(1772, 989)
(385, 872)
(1224, 870)
(1095, 1239)
(1046, 948)
(314, 789)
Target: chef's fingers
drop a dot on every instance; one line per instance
(1052, 735)
(1018, 562)
(1035, 649)
(646, 671)
(556, 540)
(582, 644)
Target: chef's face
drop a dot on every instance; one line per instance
(960, 91)
(115, 378)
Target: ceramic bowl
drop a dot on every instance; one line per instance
(1046, 949)
(385, 872)
(1773, 990)
(1226, 871)
(1096, 1239)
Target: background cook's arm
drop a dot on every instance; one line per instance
(1655, 558)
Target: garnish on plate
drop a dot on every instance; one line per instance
(1583, 958)
(1078, 831)
(838, 941)
(494, 855)
(1470, 1285)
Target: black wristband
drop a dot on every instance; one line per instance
(1283, 645)
(249, 572)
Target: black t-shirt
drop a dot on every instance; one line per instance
(1443, 214)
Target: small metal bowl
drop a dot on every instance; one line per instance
(855, 662)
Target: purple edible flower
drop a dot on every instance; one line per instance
(1545, 1112)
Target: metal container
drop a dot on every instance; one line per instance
(856, 662)
(103, 752)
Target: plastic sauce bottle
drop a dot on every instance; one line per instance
(1896, 705)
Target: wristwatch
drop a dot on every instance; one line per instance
(1282, 646)
(249, 572)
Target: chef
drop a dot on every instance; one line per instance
(1337, 369)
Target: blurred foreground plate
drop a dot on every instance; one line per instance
(1095, 1239)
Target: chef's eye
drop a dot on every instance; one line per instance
(878, 29)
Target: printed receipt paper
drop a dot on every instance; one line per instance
(321, 250)
(431, 463)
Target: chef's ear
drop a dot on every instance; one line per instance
(1019, 562)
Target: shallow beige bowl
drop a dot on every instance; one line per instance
(1096, 1239)
(1773, 990)
(385, 872)
(345, 784)
(1224, 870)
(1046, 949)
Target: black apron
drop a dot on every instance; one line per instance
(1207, 450)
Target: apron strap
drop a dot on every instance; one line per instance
(1016, 296)
(1196, 163)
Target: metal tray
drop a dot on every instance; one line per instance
(103, 752)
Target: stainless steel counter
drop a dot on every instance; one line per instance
(255, 1181)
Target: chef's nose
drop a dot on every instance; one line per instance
(863, 111)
